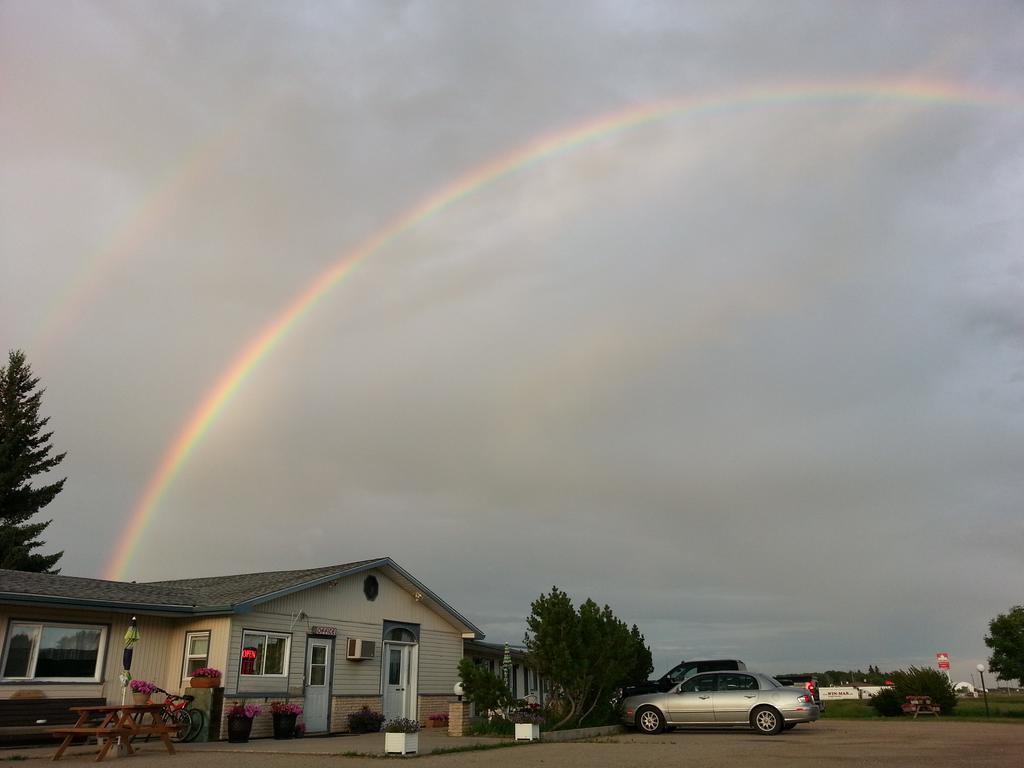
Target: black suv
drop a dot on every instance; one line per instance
(676, 675)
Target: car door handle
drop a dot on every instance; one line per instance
(705, 697)
(750, 696)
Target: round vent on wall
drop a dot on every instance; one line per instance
(371, 588)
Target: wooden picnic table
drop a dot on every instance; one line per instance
(920, 705)
(112, 722)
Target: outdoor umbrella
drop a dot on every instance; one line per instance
(131, 637)
(506, 666)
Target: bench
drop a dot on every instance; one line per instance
(920, 705)
(117, 724)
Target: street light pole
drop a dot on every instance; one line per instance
(984, 690)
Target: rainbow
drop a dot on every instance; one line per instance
(140, 226)
(274, 332)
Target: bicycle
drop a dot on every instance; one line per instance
(188, 722)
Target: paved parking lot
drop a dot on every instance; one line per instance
(930, 743)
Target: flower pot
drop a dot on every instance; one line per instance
(527, 732)
(204, 682)
(140, 699)
(284, 725)
(401, 743)
(239, 729)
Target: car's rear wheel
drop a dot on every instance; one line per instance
(649, 720)
(766, 721)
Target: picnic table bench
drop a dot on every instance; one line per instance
(920, 705)
(111, 724)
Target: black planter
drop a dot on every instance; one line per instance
(239, 729)
(284, 725)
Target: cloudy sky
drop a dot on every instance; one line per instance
(752, 374)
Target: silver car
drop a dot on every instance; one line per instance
(715, 699)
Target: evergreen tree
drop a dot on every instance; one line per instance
(24, 453)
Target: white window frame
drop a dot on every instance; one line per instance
(187, 657)
(101, 651)
(267, 635)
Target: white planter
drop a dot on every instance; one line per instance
(527, 732)
(401, 743)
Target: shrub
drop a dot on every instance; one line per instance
(483, 687)
(921, 681)
(886, 702)
(496, 726)
(284, 708)
(365, 721)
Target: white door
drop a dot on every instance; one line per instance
(318, 685)
(398, 680)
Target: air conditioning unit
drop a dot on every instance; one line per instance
(360, 649)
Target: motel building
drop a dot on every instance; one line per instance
(333, 639)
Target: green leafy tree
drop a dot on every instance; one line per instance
(1006, 639)
(585, 653)
(483, 687)
(24, 453)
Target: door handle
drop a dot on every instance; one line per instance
(751, 696)
(705, 697)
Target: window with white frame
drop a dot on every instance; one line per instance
(54, 651)
(264, 653)
(197, 652)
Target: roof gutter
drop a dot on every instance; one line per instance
(163, 608)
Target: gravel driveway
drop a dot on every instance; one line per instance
(929, 743)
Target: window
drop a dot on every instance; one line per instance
(400, 635)
(44, 651)
(197, 652)
(264, 653)
(699, 684)
(734, 682)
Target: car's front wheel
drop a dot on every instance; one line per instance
(649, 720)
(767, 721)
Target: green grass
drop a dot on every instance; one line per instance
(848, 709)
(1000, 706)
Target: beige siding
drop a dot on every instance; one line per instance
(219, 628)
(439, 662)
(346, 600)
(345, 607)
(149, 662)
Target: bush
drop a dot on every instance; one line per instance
(365, 721)
(482, 687)
(496, 726)
(886, 702)
(921, 681)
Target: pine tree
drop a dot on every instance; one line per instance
(24, 453)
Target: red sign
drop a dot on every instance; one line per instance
(943, 660)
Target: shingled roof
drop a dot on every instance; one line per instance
(236, 593)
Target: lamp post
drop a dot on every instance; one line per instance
(984, 690)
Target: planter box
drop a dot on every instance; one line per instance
(284, 725)
(239, 729)
(401, 743)
(527, 732)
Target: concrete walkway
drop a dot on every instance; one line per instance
(431, 739)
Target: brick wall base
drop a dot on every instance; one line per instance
(343, 706)
(458, 718)
(431, 704)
